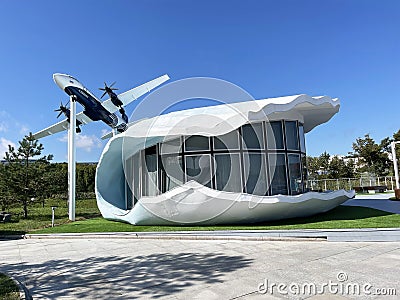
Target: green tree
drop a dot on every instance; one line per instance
(85, 177)
(24, 176)
(373, 157)
(324, 161)
(313, 167)
(5, 200)
(338, 168)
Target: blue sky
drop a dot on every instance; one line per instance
(346, 49)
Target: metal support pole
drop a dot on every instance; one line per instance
(53, 208)
(396, 169)
(71, 160)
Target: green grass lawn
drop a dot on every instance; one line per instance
(8, 289)
(340, 217)
(89, 220)
(40, 217)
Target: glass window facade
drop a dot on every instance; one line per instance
(266, 158)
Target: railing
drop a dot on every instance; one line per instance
(350, 183)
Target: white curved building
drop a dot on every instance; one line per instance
(225, 164)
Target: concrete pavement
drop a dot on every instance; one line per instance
(376, 201)
(223, 265)
(198, 269)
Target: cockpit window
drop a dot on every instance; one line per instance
(73, 78)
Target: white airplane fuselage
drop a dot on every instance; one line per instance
(93, 108)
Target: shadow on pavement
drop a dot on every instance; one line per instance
(149, 276)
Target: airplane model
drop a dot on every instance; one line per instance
(94, 110)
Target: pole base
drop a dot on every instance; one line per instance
(397, 194)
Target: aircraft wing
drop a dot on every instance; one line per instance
(135, 93)
(61, 126)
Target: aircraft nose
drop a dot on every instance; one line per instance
(58, 80)
(61, 80)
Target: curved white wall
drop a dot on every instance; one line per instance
(193, 203)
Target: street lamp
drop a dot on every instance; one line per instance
(396, 169)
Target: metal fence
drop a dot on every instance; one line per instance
(350, 183)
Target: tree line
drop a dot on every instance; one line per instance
(367, 157)
(26, 177)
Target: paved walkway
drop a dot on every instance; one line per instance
(123, 266)
(189, 269)
(377, 201)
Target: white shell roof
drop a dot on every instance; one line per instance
(220, 119)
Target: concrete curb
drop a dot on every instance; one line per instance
(333, 235)
(171, 237)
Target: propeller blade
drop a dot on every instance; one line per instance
(113, 89)
(103, 95)
(59, 114)
(113, 84)
(102, 89)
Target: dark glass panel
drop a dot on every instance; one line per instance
(274, 135)
(227, 141)
(255, 176)
(172, 174)
(227, 173)
(252, 135)
(197, 143)
(198, 168)
(277, 173)
(292, 140)
(296, 185)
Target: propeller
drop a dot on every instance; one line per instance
(107, 89)
(63, 109)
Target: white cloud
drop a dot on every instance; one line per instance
(3, 127)
(4, 146)
(24, 130)
(15, 125)
(86, 142)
